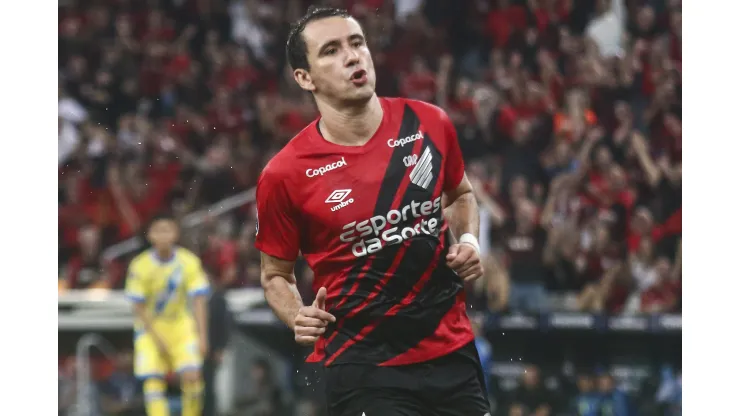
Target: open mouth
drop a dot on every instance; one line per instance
(358, 75)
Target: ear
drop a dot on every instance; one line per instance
(303, 78)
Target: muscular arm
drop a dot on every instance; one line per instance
(279, 283)
(461, 209)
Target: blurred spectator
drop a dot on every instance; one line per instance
(307, 408)
(524, 241)
(606, 29)
(220, 257)
(669, 392)
(86, 269)
(532, 396)
(265, 398)
(67, 388)
(587, 400)
(485, 351)
(219, 328)
(122, 393)
(613, 400)
(662, 295)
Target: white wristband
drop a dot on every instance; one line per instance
(470, 239)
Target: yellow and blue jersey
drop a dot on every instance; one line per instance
(165, 287)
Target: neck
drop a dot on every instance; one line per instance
(89, 254)
(350, 125)
(164, 254)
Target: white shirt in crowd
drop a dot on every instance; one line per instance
(69, 139)
(404, 8)
(246, 29)
(606, 30)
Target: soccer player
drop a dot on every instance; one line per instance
(160, 282)
(374, 195)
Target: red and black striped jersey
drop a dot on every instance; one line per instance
(368, 220)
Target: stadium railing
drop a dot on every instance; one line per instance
(93, 309)
(103, 309)
(191, 220)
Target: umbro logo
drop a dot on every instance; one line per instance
(339, 197)
(421, 175)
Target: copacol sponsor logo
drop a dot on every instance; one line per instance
(324, 169)
(375, 227)
(406, 140)
(339, 197)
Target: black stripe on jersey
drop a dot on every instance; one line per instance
(392, 179)
(412, 323)
(396, 170)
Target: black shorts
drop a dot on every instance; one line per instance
(451, 385)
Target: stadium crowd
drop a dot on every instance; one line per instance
(568, 113)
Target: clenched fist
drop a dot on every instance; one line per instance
(311, 321)
(464, 259)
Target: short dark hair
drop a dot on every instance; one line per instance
(162, 216)
(295, 48)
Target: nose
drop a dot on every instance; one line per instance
(353, 58)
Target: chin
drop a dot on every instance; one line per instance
(360, 95)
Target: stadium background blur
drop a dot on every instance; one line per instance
(569, 116)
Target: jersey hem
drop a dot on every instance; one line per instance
(432, 355)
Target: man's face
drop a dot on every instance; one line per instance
(518, 187)
(341, 67)
(601, 237)
(562, 153)
(585, 383)
(663, 268)
(89, 238)
(605, 382)
(643, 220)
(163, 233)
(531, 376)
(603, 158)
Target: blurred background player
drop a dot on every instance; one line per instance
(168, 337)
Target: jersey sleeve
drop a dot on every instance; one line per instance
(135, 288)
(454, 168)
(196, 282)
(277, 225)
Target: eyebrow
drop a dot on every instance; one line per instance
(337, 42)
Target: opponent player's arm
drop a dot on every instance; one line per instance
(142, 314)
(136, 292)
(461, 209)
(281, 292)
